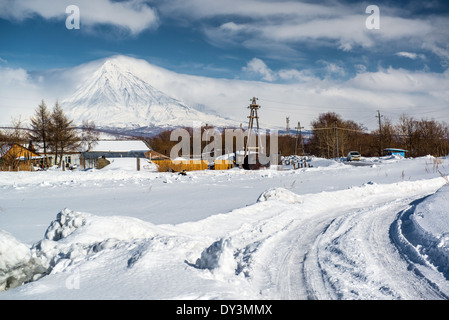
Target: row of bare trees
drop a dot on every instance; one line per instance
(418, 137)
(53, 131)
(333, 137)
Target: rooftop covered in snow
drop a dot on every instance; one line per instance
(117, 149)
(119, 146)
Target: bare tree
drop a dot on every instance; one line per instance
(388, 135)
(333, 136)
(63, 134)
(89, 134)
(9, 154)
(407, 133)
(40, 128)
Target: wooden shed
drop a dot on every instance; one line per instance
(178, 165)
(14, 156)
(223, 164)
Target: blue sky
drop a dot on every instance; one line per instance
(315, 47)
(219, 38)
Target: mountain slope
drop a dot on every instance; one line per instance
(113, 96)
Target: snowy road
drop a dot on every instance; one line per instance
(346, 254)
(354, 258)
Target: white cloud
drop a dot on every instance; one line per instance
(360, 68)
(333, 68)
(297, 75)
(18, 92)
(132, 15)
(204, 9)
(410, 55)
(403, 81)
(259, 67)
(393, 91)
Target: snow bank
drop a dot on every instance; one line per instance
(17, 266)
(432, 214)
(310, 161)
(424, 231)
(326, 163)
(280, 194)
(74, 236)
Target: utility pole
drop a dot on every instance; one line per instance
(336, 138)
(253, 115)
(380, 132)
(300, 135)
(288, 124)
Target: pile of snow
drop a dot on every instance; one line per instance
(66, 222)
(63, 246)
(220, 256)
(326, 163)
(280, 194)
(387, 159)
(17, 266)
(426, 227)
(295, 161)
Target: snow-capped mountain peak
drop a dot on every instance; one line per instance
(113, 96)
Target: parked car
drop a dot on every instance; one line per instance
(354, 156)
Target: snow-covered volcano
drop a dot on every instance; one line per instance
(113, 96)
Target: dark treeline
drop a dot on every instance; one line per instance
(333, 136)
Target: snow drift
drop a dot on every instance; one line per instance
(423, 231)
(17, 265)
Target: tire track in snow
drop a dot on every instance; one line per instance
(354, 258)
(345, 252)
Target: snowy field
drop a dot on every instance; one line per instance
(331, 231)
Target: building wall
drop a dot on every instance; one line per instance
(68, 158)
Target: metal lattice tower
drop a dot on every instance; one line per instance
(253, 116)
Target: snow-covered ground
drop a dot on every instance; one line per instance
(330, 231)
